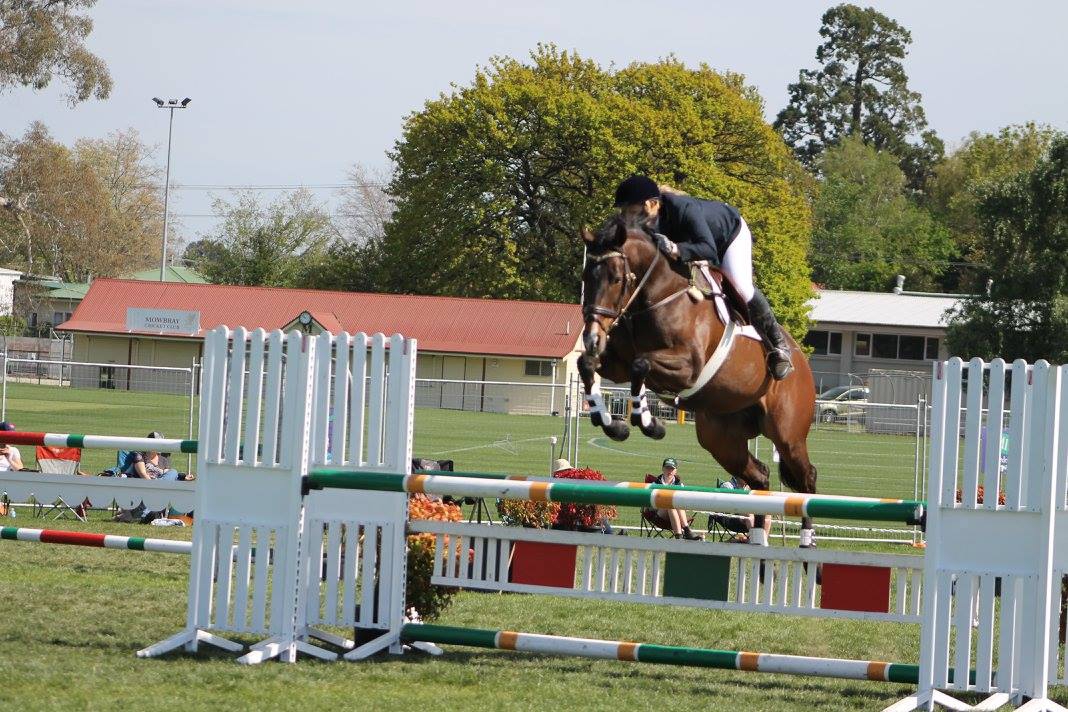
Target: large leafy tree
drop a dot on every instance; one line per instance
(93, 210)
(494, 179)
(866, 229)
(1024, 222)
(44, 39)
(275, 245)
(959, 180)
(860, 89)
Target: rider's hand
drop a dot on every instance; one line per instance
(666, 246)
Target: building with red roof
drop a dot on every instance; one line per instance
(460, 339)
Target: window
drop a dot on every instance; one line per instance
(911, 347)
(896, 346)
(60, 317)
(538, 368)
(862, 345)
(884, 346)
(817, 341)
(931, 352)
(823, 343)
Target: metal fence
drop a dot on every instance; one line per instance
(100, 398)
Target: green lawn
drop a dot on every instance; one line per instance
(73, 617)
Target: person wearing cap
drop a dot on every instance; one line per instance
(680, 523)
(690, 229)
(151, 464)
(10, 457)
(561, 465)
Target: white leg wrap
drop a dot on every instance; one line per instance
(596, 403)
(640, 405)
(808, 537)
(758, 536)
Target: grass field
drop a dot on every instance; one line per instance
(73, 617)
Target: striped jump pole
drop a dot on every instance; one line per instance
(650, 485)
(631, 495)
(664, 654)
(99, 442)
(103, 541)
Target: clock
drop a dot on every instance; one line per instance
(305, 318)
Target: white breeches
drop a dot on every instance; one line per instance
(738, 263)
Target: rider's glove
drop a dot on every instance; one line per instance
(666, 246)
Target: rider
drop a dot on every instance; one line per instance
(690, 229)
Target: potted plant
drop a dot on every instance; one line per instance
(427, 599)
(583, 517)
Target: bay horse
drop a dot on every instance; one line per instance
(641, 326)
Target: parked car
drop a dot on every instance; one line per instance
(841, 402)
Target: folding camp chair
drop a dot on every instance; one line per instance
(61, 461)
(652, 524)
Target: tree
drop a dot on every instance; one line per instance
(953, 194)
(274, 245)
(93, 210)
(1024, 221)
(494, 179)
(354, 261)
(43, 39)
(861, 90)
(866, 228)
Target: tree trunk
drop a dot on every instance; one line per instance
(858, 99)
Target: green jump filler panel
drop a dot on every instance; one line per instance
(697, 576)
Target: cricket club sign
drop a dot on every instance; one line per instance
(163, 321)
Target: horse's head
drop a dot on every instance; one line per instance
(618, 256)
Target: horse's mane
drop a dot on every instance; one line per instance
(605, 239)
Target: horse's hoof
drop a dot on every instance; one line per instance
(656, 430)
(617, 430)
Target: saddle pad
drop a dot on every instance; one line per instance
(720, 300)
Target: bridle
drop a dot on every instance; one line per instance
(624, 302)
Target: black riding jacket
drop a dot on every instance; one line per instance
(703, 229)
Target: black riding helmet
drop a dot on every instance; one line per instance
(636, 190)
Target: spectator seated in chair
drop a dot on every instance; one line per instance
(152, 465)
(677, 521)
(10, 457)
(737, 525)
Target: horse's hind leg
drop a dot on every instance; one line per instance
(727, 439)
(639, 413)
(799, 474)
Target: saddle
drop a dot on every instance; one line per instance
(710, 283)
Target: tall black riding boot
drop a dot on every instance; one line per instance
(779, 364)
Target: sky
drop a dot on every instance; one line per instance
(294, 93)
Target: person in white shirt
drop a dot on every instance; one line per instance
(10, 457)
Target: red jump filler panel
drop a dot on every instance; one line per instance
(856, 588)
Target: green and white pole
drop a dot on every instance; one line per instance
(630, 495)
(664, 654)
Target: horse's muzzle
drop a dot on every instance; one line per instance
(593, 340)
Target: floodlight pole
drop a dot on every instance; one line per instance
(171, 105)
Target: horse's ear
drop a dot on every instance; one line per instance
(587, 235)
(621, 234)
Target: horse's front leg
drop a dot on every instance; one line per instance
(639, 411)
(599, 415)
